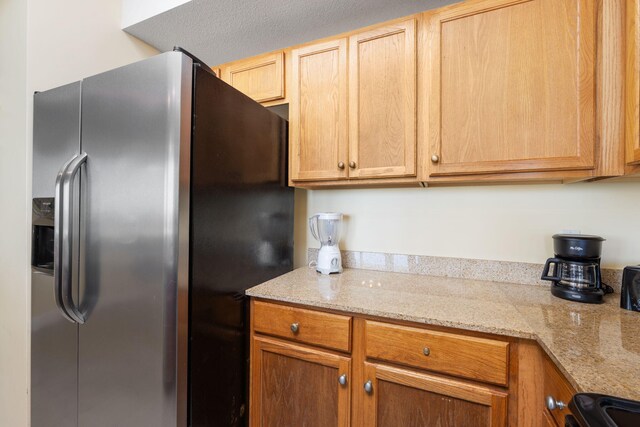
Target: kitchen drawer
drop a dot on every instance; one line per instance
(464, 356)
(306, 326)
(556, 387)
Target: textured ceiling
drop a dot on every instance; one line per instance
(219, 31)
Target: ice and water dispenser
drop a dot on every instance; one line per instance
(42, 234)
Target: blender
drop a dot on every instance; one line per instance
(325, 227)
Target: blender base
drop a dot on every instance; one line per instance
(328, 271)
(329, 260)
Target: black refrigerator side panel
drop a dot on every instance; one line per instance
(241, 235)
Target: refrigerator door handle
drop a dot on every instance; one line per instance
(63, 234)
(57, 241)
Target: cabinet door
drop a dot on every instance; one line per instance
(633, 83)
(548, 420)
(382, 102)
(298, 386)
(318, 111)
(400, 397)
(260, 78)
(512, 86)
(558, 388)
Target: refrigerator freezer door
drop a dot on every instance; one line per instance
(136, 124)
(56, 134)
(54, 340)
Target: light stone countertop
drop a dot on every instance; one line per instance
(597, 346)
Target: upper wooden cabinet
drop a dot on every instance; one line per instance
(372, 134)
(318, 112)
(382, 102)
(478, 91)
(511, 87)
(261, 78)
(633, 83)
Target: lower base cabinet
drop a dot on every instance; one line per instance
(313, 368)
(298, 386)
(548, 420)
(401, 397)
(559, 391)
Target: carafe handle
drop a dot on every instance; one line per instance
(313, 226)
(547, 266)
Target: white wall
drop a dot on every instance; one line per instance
(72, 39)
(43, 44)
(508, 222)
(134, 11)
(13, 237)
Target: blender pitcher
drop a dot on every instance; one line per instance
(325, 228)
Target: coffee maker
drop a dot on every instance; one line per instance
(576, 268)
(325, 227)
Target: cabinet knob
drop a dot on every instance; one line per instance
(295, 327)
(343, 379)
(426, 351)
(553, 404)
(435, 158)
(368, 387)
(340, 165)
(352, 164)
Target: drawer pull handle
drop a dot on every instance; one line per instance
(368, 387)
(553, 404)
(435, 158)
(340, 165)
(295, 327)
(426, 351)
(352, 164)
(343, 379)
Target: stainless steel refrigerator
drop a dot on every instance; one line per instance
(159, 196)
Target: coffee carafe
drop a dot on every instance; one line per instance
(576, 268)
(325, 227)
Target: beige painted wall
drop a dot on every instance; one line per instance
(43, 44)
(13, 190)
(513, 222)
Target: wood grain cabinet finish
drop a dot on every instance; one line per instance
(298, 386)
(511, 87)
(382, 102)
(307, 326)
(401, 397)
(261, 78)
(463, 356)
(556, 386)
(548, 420)
(384, 380)
(633, 83)
(318, 112)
